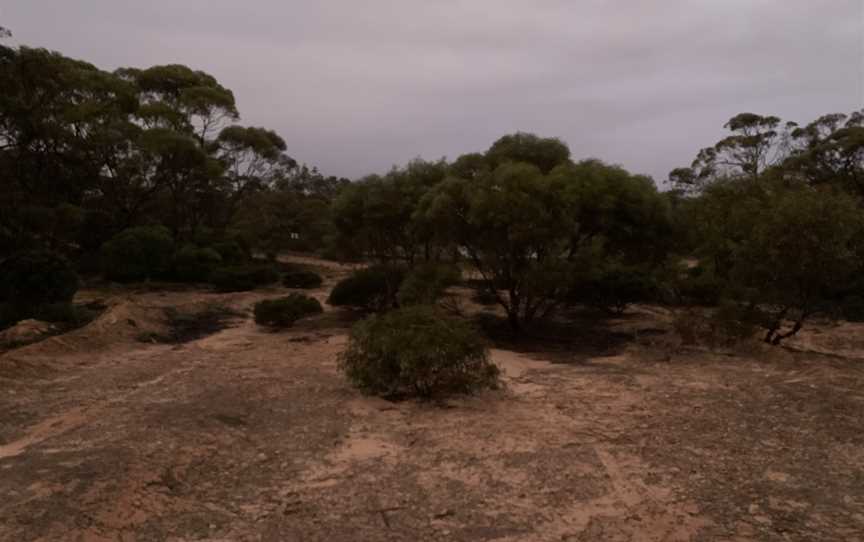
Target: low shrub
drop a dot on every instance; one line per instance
(31, 279)
(614, 287)
(63, 313)
(417, 351)
(231, 251)
(372, 289)
(285, 311)
(426, 284)
(138, 254)
(301, 278)
(194, 264)
(243, 278)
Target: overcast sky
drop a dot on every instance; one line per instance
(356, 86)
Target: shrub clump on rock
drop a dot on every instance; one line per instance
(417, 351)
(285, 311)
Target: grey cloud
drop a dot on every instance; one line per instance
(356, 86)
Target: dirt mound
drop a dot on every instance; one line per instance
(25, 331)
(122, 323)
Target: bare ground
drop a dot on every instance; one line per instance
(248, 435)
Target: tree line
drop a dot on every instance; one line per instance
(86, 154)
(120, 171)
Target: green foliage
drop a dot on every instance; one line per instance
(426, 284)
(64, 313)
(417, 351)
(231, 251)
(284, 312)
(30, 280)
(805, 245)
(614, 286)
(276, 221)
(85, 154)
(785, 247)
(700, 286)
(372, 288)
(525, 232)
(301, 278)
(243, 278)
(543, 153)
(194, 264)
(376, 215)
(136, 254)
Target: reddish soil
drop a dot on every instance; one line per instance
(248, 435)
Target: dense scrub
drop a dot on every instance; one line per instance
(417, 351)
(243, 278)
(285, 311)
(301, 278)
(371, 289)
(195, 264)
(426, 284)
(146, 174)
(138, 254)
(36, 283)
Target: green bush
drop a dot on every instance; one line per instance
(417, 351)
(63, 313)
(425, 284)
(32, 279)
(701, 287)
(301, 278)
(231, 251)
(373, 288)
(137, 254)
(283, 312)
(243, 278)
(193, 264)
(614, 287)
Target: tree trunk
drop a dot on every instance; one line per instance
(515, 323)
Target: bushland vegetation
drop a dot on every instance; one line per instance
(145, 174)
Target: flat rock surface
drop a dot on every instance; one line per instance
(248, 435)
